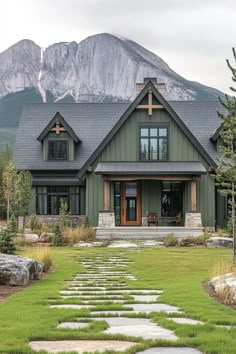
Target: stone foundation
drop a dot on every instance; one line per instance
(75, 220)
(106, 219)
(193, 220)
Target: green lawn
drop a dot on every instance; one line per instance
(177, 271)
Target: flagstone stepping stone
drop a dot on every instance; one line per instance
(115, 301)
(141, 291)
(80, 346)
(145, 298)
(137, 327)
(92, 297)
(73, 325)
(184, 320)
(122, 245)
(71, 306)
(170, 350)
(154, 308)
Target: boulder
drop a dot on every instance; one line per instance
(31, 237)
(46, 236)
(16, 270)
(83, 244)
(219, 242)
(225, 281)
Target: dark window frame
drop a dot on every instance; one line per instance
(172, 191)
(65, 192)
(56, 150)
(149, 137)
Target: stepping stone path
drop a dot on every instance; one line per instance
(103, 284)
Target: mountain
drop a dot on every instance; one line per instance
(100, 68)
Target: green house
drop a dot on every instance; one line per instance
(145, 163)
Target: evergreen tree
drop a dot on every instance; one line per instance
(5, 157)
(10, 188)
(58, 236)
(24, 193)
(226, 171)
(7, 237)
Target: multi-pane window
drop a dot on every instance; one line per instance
(171, 199)
(57, 150)
(153, 143)
(49, 199)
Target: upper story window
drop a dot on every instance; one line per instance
(154, 143)
(58, 150)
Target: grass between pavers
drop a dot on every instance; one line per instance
(178, 272)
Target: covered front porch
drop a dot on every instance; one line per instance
(149, 199)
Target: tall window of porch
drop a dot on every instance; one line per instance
(171, 199)
(153, 143)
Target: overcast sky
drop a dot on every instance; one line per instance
(193, 36)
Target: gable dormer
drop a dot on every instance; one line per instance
(58, 140)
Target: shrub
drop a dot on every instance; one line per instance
(222, 267)
(41, 254)
(81, 233)
(201, 239)
(35, 223)
(186, 242)
(58, 237)
(170, 240)
(63, 215)
(226, 295)
(8, 236)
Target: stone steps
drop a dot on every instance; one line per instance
(146, 233)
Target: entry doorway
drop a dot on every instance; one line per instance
(131, 204)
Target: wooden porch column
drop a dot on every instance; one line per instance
(193, 195)
(106, 195)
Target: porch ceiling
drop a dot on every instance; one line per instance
(147, 168)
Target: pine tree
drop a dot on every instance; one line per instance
(226, 171)
(7, 237)
(58, 236)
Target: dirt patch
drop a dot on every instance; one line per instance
(8, 290)
(211, 292)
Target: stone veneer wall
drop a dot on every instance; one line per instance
(75, 220)
(106, 219)
(193, 220)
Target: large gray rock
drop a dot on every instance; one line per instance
(31, 238)
(16, 270)
(219, 242)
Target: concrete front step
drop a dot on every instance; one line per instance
(148, 233)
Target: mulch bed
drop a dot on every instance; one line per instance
(211, 292)
(7, 290)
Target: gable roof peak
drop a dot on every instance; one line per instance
(56, 120)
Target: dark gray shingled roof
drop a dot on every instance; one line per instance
(151, 168)
(202, 119)
(93, 121)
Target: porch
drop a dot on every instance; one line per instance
(149, 233)
(134, 190)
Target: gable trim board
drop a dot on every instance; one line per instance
(125, 116)
(58, 117)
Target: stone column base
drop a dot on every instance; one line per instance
(106, 219)
(193, 219)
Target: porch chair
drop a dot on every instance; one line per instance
(152, 219)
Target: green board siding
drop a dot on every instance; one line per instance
(82, 201)
(61, 136)
(32, 205)
(221, 210)
(125, 147)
